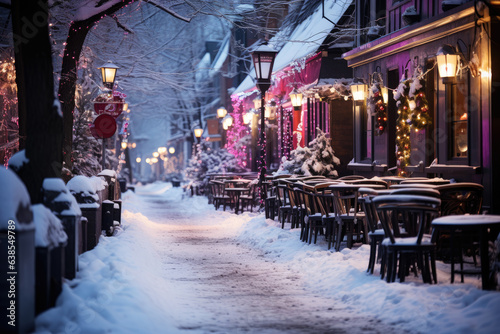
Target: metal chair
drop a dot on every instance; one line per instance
(406, 219)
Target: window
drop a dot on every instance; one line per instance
(459, 121)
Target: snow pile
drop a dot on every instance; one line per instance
(14, 202)
(84, 189)
(49, 232)
(58, 199)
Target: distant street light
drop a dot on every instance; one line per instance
(221, 112)
(198, 132)
(156, 154)
(138, 160)
(108, 73)
(171, 150)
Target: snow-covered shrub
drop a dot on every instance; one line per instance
(210, 161)
(316, 159)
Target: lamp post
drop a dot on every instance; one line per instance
(263, 61)
(108, 74)
(296, 100)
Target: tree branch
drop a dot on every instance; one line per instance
(171, 12)
(120, 25)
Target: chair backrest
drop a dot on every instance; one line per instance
(461, 198)
(217, 188)
(431, 192)
(366, 202)
(325, 204)
(368, 181)
(282, 194)
(346, 200)
(307, 199)
(351, 177)
(406, 215)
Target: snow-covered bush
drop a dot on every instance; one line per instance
(316, 159)
(210, 161)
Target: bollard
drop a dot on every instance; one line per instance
(93, 214)
(82, 240)
(107, 217)
(117, 212)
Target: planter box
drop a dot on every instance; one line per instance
(24, 298)
(93, 213)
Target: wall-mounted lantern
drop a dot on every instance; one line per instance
(447, 61)
(358, 92)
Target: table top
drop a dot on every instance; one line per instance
(435, 181)
(412, 185)
(466, 220)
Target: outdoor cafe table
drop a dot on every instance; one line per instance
(237, 181)
(235, 194)
(479, 223)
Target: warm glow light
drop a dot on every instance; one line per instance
(108, 73)
(138, 160)
(221, 112)
(124, 145)
(156, 154)
(267, 112)
(412, 104)
(385, 94)
(257, 103)
(162, 150)
(198, 132)
(447, 65)
(247, 118)
(134, 145)
(125, 106)
(296, 98)
(171, 150)
(227, 122)
(154, 160)
(148, 160)
(358, 92)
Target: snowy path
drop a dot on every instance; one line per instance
(179, 266)
(238, 290)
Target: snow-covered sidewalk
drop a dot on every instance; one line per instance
(149, 277)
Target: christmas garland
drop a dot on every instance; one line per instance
(377, 107)
(403, 125)
(412, 113)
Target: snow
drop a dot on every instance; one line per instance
(108, 172)
(15, 203)
(49, 231)
(54, 184)
(84, 186)
(125, 285)
(90, 8)
(17, 160)
(99, 183)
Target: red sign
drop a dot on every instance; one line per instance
(104, 126)
(110, 108)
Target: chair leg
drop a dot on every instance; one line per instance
(373, 254)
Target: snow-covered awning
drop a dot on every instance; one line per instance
(305, 40)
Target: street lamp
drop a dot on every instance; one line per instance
(138, 160)
(108, 73)
(156, 154)
(227, 122)
(358, 92)
(296, 99)
(197, 133)
(171, 150)
(221, 112)
(162, 150)
(263, 61)
(447, 60)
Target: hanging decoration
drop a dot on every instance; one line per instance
(403, 125)
(413, 113)
(236, 143)
(420, 117)
(377, 106)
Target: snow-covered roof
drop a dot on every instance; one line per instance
(14, 202)
(221, 57)
(305, 39)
